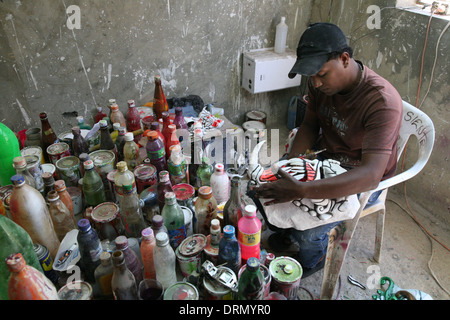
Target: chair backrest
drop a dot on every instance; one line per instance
(414, 122)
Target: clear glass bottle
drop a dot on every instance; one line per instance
(173, 220)
(106, 142)
(205, 210)
(63, 220)
(103, 276)
(159, 99)
(123, 177)
(148, 243)
(93, 189)
(130, 151)
(117, 116)
(164, 257)
(234, 207)
(90, 248)
(251, 283)
(229, 250)
(123, 283)
(164, 186)
(79, 144)
(29, 210)
(220, 184)
(131, 212)
(20, 165)
(131, 258)
(133, 119)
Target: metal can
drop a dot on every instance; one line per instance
(69, 170)
(76, 290)
(286, 273)
(145, 176)
(35, 168)
(111, 192)
(189, 254)
(185, 194)
(57, 151)
(46, 261)
(107, 221)
(214, 290)
(50, 168)
(33, 151)
(181, 291)
(77, 200)
(266, 274)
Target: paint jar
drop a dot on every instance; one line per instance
(57, 151)
(286, 273)
(151, 206)
(181, 291)
(185, 195)
(107, 222)
(188, 224)
(104, 161)
(189, 254)
(69, 170)
(33, 150)
(214, 290)
(266, 274)
(145, 176)
(111, 191)
(50, 168)
(76, 290)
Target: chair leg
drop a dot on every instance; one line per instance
(381, 215)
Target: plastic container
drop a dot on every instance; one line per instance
(249, 234)
(281, 36)
(9, 149)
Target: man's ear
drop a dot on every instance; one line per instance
(345, 59)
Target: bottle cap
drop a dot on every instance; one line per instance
(121, 242)
(114, 107)
(172, 127)
(205, 191)
(83, 157)
(129, 136)
(122, 166)
(103, 123)
(17, 179)
(131, 103)
(157, 220)
(215, 224)
(169, 195)
(175, 148)
(19, 162)
(105, 256)
(80, 119)
(43, 115)
(112, 101)
(250, 210)
(52, 196)
(219, 167)
(252, 264)
(84, 225)
(153, 135)
(228, 231)
(162, 239)
(76, 130)
(147, 233)
(89, 164)
(60, 185)
(116, 126)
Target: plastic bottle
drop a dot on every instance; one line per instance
(14, 238)
(281, 36)
(123, 283)
(148, 243)
(90, 248)
(173, 220)
(158, 225)
(99, 115)
(220, 184)
(229, 250)
(60, 187)
(117, 116)
(232, 212)
(156, 151)
(120, 143)
(205, 210)
(131, 258)
(29, 210)
(133, 119)
(93, 189)
(20, 165)
(165, 126)
(249, 233)
(130, 151)
(63, 220)
(131, 212)
(79, 144)
(9, 149)
(173, 139)
(26, 282)
(159, 99)
(164, 257)
(49, 137)
(164, 186)
(123, 177)
(106, 142)
(156, 127)
(81, 124)
(179, 119)
(251, 284)
(103, 276)
(177, 165)
(215, 232)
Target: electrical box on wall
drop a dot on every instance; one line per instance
(264, 70)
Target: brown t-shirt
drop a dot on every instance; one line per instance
(366, 120)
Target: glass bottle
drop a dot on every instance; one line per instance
(164, 186)
(120, 143)
(13, 239)
(234, 207)
(90, 248)
(93, 189)
(106, 142)
(63, 220)
(173, 139)
(131, 212)
(158, 225)
(117, 116)
(215, 232)
(81, 124)
(249, 233)
(156, 151)
(123, 283)
(148, 243)
(179, 119)
(20, 165)
(49, 183)
(49, 137)
(220, 184)
(79, 144)
(103, 275)
(205, 210)
(177, 165)
(164, 257)
(83, 158)
(229, 250)
(173, 220)
(251, 283)
(123, 177)
(159, 99)
(165, 126)
(130, 151)
(29, 210)
(100, 114)
(60, 187)
(133, 119)
(131, 258)
(26, 282)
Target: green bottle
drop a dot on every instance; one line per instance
(14, 239)
(93, 189)
(131, 212)
(173, 220)
(9, 149)
(251, 284)
(204, 172)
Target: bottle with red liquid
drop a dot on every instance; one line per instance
(148, 243)
(179, 119)
(159, 99)
(133, 120)
(156, 151)
(165, 126)
(173, 139)
(249, 234)
(155, 127)
(100, 114)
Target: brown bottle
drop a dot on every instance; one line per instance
(106, 142)
(79, 144)
(60, 187)
(48, 135)
(159, 99)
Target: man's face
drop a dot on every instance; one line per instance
(330, 79)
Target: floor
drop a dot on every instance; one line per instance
(409, 257)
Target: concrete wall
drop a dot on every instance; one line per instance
(195, 45)
(395, 52)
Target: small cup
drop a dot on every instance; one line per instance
(150, 289)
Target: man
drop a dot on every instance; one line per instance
(355, 115)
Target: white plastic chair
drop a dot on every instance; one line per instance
(415, 122)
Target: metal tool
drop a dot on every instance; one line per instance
(354, 282)
(222, 275)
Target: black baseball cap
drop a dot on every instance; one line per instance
(318, 40)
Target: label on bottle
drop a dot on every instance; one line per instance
(176, 236)
(121, 191)
(48, 132)
(249, 239)
(156, 154)
(95, 253)
(177, 169)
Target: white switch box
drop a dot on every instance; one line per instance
(264, 70)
